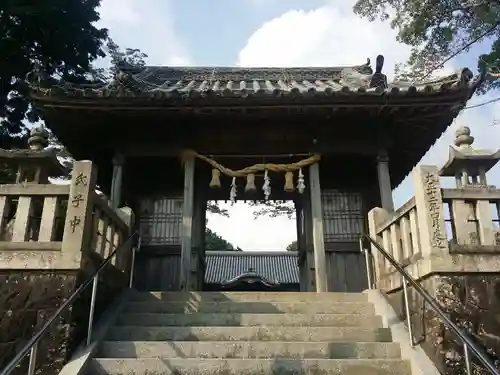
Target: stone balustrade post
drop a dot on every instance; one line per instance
(377, 216)
(78, 225)
(430, 212)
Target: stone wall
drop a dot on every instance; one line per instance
(473, 303)
(29, 298)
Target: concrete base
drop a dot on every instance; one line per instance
(420, 362)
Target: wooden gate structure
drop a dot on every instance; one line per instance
(161, 136)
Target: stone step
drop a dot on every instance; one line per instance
(157, 366)
(207, 319)
(251, 307)
(322, 334)
(245, 349)
(249, 296)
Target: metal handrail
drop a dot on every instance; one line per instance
(466, 340)
(32, 345)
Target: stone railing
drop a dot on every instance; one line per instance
(48, 226)
(32, 216)
(434, 225)
(449, 241)
(472, 219)
(110, 229)
(52, 237)
(397, 233)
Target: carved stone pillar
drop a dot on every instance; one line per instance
(430, 213)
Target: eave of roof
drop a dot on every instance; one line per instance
(218, 85)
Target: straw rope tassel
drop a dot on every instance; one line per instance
(250, 186)
(233, 193)
(289, 182)
(215, 182)
(266, 188)
(301, 186)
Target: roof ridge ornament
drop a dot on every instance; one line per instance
(378, 78)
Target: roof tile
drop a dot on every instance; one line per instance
(278, 266)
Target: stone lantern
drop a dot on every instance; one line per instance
(33, 166)
(467, 164)
(36, 164)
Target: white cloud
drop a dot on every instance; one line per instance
(147, 25)
(327, 36)
(114, 12)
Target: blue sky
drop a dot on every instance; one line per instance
(279, 33)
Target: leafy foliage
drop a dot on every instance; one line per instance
(215, 242)
(440, 29)
(58, 37)
(264, 208)
(214, 208)
(273, 208)
(119, 59)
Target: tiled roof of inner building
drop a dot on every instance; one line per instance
(183, 83)
(277, 266)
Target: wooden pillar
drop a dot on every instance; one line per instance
(198, 241)
(116, 182)
(301, 246)
(317, 230)
(384, 181)
(308, 244)
(187, 224)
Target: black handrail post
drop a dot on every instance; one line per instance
(32, 363)
(95, 283)
(132, 264)
(407, 310)
(368, 262)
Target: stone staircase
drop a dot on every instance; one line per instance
(248, 333)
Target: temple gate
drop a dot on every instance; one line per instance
(330, 139)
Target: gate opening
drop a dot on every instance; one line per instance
(251, 246)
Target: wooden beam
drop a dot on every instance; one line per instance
(345, 146)
(317, 230)
(187, 223)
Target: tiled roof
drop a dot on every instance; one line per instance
(277, 266)
(184, 83)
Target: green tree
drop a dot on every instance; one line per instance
(215, 242)
(56, 37)
(263, 208)
(438, 30)
(273, 208)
